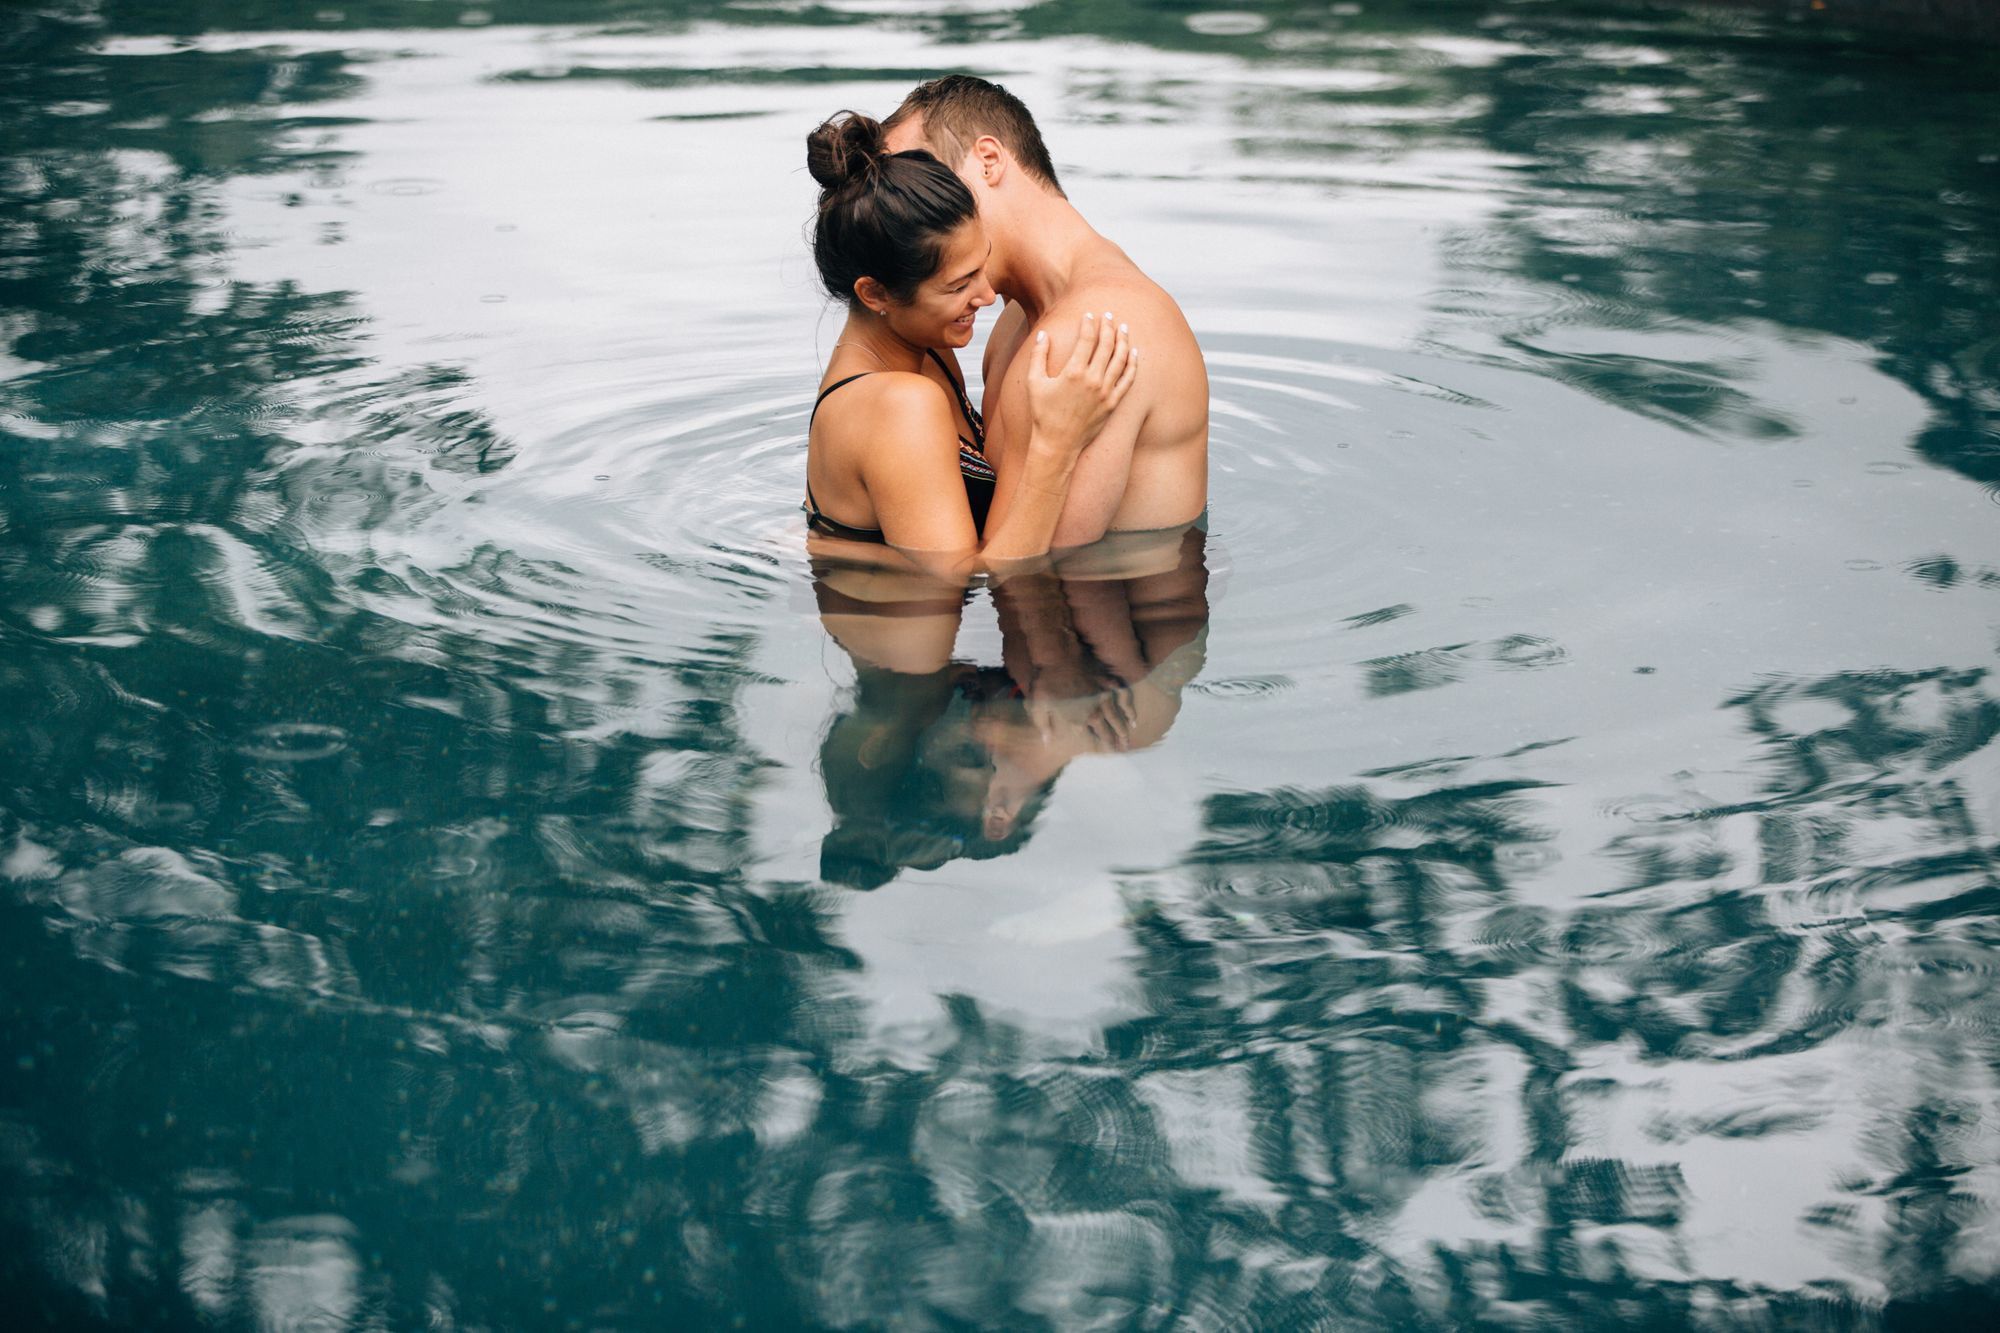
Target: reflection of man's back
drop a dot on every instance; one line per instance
(939, 758)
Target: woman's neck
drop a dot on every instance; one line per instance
(870, 341)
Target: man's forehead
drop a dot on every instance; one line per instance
(907, 134)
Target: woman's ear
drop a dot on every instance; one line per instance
(872, 294)
(990, 159)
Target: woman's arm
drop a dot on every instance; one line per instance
(914, 485)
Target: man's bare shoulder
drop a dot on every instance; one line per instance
(1173, 377)
(1110, 281)
(1110, 274)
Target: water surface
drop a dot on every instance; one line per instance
(1530, 861)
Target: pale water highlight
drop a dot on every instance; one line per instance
(1528, 860)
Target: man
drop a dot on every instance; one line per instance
(1148, 468)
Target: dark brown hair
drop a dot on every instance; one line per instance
(958, 108)
(882, 215)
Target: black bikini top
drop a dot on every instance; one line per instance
(973, 468)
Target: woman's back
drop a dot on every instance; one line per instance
(839, 432)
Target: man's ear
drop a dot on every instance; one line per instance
(991, 159)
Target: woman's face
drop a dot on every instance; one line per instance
(941, 313)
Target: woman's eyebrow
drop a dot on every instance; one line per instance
(967, 275)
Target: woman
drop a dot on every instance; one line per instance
(894, 446)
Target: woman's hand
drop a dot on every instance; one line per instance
(1068, 407)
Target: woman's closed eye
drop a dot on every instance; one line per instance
(977, 275)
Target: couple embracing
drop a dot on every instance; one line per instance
(923, 219)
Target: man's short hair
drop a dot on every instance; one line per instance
(958, 108)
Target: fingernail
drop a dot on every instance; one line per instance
(1124, 328)
(1041, 335)
(1107, 314)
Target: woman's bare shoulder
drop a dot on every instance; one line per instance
(887, 398)
(893, 419)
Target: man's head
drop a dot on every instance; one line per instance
(950, 115)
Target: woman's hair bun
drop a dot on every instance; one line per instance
(844, 147)
(881, 215)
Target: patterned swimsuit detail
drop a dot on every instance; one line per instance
(973, 468)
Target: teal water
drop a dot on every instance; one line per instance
(1531, 862)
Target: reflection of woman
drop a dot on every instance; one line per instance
(907, 777)
(894, 452)
(937, 760)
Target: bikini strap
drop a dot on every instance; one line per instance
(972, 417)
(833, 525)
(829, 389)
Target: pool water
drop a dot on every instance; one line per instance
(1531, 859)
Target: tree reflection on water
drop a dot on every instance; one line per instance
(365, 974)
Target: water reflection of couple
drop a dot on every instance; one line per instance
(938, 758)
(911, 490)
